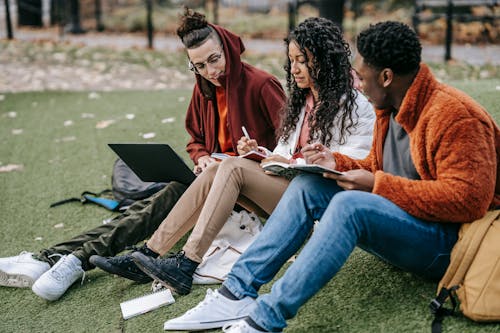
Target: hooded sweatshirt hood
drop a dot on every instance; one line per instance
(233, 47)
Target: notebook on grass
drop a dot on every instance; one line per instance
(146, 303)
(154, 162)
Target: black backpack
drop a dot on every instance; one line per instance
(126, 188)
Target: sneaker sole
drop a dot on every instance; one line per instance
(43, 294)
(163, 278)
(15, 280)
(200, 325)
(105, 266)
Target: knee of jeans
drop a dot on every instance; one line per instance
(304, 183)
(348, 202)
(351, 197)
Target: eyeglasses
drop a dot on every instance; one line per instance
(202, 66)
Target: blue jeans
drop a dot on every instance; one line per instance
(346, 219)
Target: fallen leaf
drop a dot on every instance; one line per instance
(130, 116)
(12, 114)
(38, 238)
(149, 135)
(11, 167)
(105, 123)
(17, 131)
(59, 225)
(68, 123)
(94, 95)
(66, 139)
(168, 120)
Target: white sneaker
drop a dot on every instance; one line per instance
(240, 327)
(21, 271)
(214, 311)
(54, 283)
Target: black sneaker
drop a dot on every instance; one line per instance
(123, 265)
(174, 272)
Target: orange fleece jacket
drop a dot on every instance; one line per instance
(455, 146)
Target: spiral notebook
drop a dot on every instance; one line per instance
(146, 303)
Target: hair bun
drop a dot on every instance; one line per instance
(189, 21)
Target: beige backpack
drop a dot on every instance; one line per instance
(473, 274)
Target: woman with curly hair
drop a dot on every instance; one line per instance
(323, 107)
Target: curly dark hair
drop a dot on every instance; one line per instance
(193, 29)
(391, 45)
(330, 72)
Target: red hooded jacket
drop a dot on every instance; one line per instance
(255, 100)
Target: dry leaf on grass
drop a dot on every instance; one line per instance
(94, 95)
(149, 135)
(168, 120)
(17, 131)
(11, 167)
(104, 123)
(65, 139)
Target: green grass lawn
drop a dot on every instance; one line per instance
(53, 135)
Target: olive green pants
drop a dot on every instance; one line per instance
(137, 223)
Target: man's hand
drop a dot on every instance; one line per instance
(359, 179)
(316, 153)
(203, 163)
(245, 145)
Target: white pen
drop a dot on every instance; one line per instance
(245, 132)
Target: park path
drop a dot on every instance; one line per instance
(471, 54)
(28, 73)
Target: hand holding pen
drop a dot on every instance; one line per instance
(246, 144)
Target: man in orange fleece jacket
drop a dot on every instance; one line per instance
(433, 165)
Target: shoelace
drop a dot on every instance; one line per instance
(178, 258)
(209, 298)
(23, 254)
(62, 269)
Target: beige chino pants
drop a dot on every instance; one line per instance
(209, 200)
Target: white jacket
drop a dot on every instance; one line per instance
(357, 144)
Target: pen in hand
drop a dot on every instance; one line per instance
(249, 144)
(245, 132)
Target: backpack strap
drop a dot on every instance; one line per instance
(96, 198)
(462, 255)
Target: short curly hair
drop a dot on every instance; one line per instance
(391, 45)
